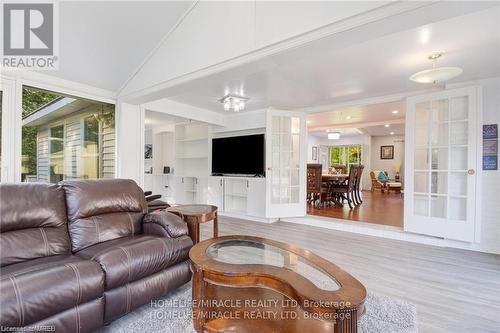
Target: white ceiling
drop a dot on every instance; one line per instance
(357, 116)
(358, 120)
(102, 44)
(381, 130)
(322, 73)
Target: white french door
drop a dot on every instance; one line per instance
(442, 164)
(285, 164)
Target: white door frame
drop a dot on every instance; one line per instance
(431, 226)
(283, 210)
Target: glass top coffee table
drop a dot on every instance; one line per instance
(272, 286)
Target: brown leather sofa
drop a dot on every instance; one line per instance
(82, 253)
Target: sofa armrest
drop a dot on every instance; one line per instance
(164, 224)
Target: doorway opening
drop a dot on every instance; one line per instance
(363, 145)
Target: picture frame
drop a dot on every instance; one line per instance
(148, 151)
(314, 153)
(386, 152)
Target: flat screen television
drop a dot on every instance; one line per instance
(238, 155)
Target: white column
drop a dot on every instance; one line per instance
(11, 129)
(130, 142)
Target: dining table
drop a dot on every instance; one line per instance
(340, 177)
(331, 179)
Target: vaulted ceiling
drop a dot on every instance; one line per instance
(103, 43)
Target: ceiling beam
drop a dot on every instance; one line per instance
(355, 125)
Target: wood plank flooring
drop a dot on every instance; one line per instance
(454, 290)
(377, 207)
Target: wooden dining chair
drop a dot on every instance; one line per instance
(357, 186)
(313, 182)
(346, 191)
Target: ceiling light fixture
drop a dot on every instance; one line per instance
(436, 74)
(395, 112)
(387, 125)
(233, 102)
(333, 135)
(392, 133)
(348, 117)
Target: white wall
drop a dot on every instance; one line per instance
(312, 141)
(130, 142)
(387, 165)
(490, 225)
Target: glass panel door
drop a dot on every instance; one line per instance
(285, 150)
(441, 131)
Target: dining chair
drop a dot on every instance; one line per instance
(313, 182)
(357, 186)
(346, 191)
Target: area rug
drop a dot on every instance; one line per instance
(171, 315)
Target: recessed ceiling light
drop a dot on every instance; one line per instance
(387, 125)
(392, 133)
(333, 136)
(395, 112)
(348, 117)
(308, 122)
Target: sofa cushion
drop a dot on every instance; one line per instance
(102, 210)
(36, 289)
(32, 222)
(131, 258)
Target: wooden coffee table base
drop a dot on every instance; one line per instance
(264, 298)
(240, 311)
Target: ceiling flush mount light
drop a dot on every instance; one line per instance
(333, 135)
(233, 102)
(395, 112)
(387, 125)
(436, 74)
(348, 117)
(392, 133)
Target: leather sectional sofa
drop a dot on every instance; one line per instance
(77, 255)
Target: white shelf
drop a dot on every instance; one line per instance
(191, 157)
(192, 139)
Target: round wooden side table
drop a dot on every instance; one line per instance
(194, 215)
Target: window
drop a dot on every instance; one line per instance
(345, 155)
(56, 154)
(66, 137)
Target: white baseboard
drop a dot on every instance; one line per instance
(247, 217)
(385, 231)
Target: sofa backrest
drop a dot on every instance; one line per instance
(33, 222)
(103, 209)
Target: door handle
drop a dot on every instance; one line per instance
(471, 172)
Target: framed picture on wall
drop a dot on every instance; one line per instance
(386, 152)
(148, 151)
(314, 153)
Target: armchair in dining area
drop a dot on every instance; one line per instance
(376, 184)
(386, 184)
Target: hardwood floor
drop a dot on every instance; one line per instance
(454, 290)
(377, 207)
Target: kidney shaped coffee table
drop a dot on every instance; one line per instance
(252, 284)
